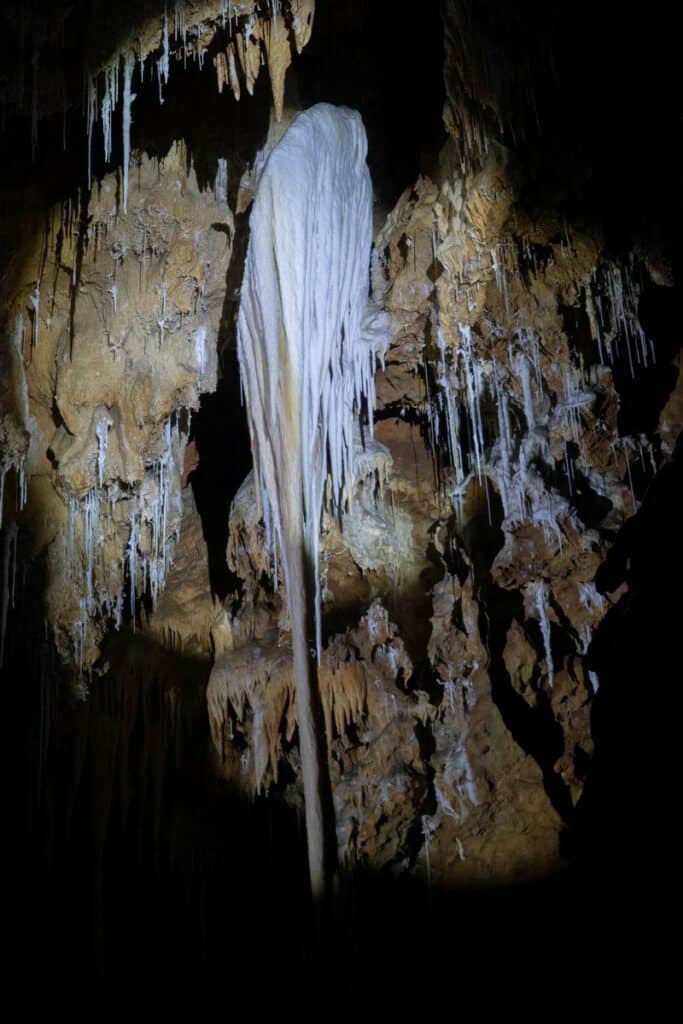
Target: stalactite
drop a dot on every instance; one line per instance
(537, 593)
(128, 97)
(163, 64)
(307, 357)
(92, 519)
(247, 27)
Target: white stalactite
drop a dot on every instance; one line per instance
(128, 97)
(537, 592)
(102, 431)
(163, 61)
(308, 338)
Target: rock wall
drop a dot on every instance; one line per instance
(120, 343)
(111, 305)
(465, 738)
(460, 587)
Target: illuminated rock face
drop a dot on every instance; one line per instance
(116, 358)
(309, 338)
(536, 479)
(472, 717)
(459, 588)
(111, 311)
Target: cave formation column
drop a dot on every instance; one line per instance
(306, 361)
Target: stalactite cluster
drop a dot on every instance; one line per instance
(460, 558)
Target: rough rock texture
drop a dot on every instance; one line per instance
(459, 590)
(508, 480)
(117, 346)
(111, 307)
(239, 37)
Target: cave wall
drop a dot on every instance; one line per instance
(462, 590)
(112, 301)
(504, 406)
(509, 479)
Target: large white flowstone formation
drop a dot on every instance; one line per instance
(309, 337)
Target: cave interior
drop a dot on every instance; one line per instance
(499, 613)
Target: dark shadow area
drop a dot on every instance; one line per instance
(221, 434)
(219, 428)
(140, 877)
(643, 395)
(636, 654)
(140, 882)
(212, 125)
(136, 882)
(606, 79)
(591, 506)
(387, 64)
(535, 729)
